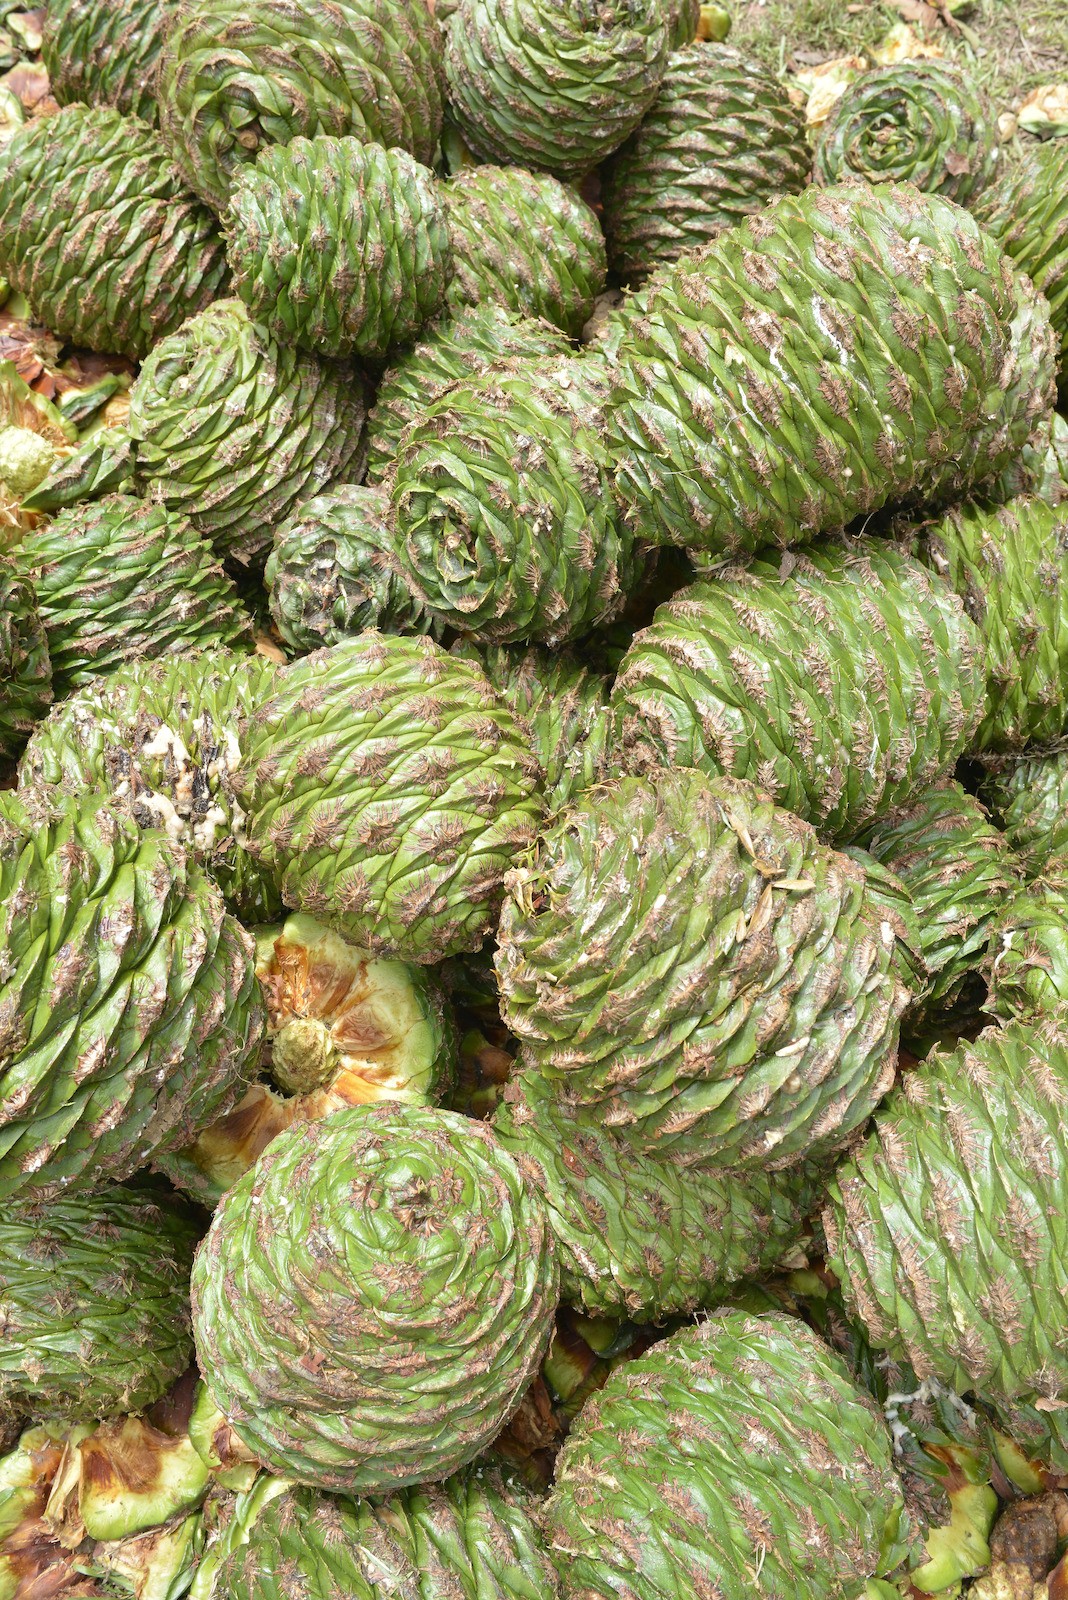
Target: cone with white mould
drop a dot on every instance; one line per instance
(166, 737)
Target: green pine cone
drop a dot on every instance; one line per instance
(130, 1008)
(943, 1445)
(97, 231)
(401, 1245)
(958, 869)
(564, 705)
(330, 572)
(105, 52)
(947, 1228)
(736, 1459)
(1026, 965)
(234, 430)
(231, 82)
(1026, 210)
(94, 1302)
(339, 247)
(689, 962)
(919, 122)
(507, 528)
(845, 682)
(390, 792)
(122, 579)
(844, 348)
(469, 1538)
(553, 85)
(1029, 800)
(721, 140)
(25, 665)
(525, 241)
(639, 1236)
(1008, 564)
(461, 345)
(165, 737)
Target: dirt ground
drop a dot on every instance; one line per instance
(1009, 46)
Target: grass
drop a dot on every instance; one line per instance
(1008, 46)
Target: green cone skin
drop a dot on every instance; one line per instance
(430, 1291)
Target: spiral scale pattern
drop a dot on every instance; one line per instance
(919, 122)
(554, 85)
(374, 1296)
(233, 429)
